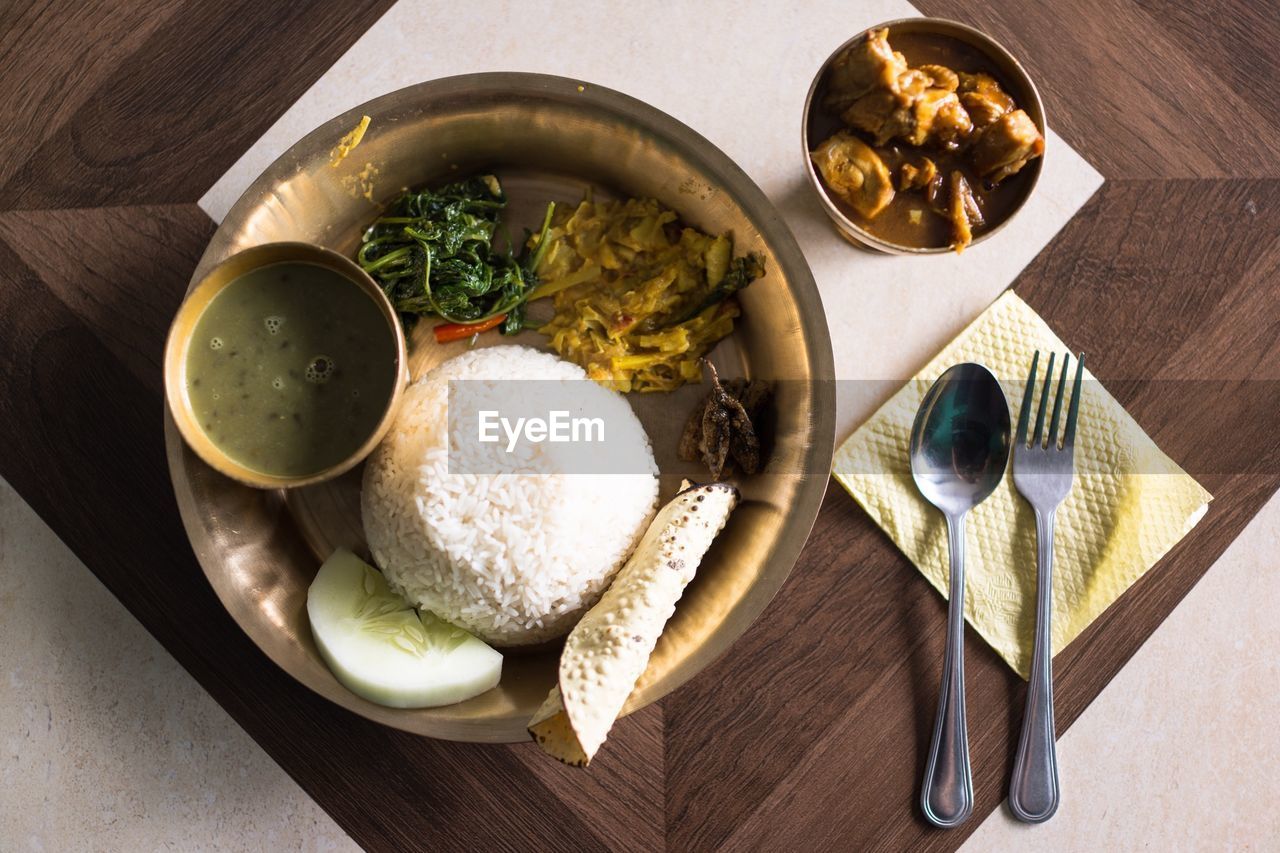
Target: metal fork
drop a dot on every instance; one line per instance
(1042, 473)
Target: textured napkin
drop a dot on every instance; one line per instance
(1128, 506)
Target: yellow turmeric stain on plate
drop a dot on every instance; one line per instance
(348, 143)
(361, 183)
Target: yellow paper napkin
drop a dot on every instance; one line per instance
(1129, 503)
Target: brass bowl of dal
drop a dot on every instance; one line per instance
(546, 138)
(378, 398)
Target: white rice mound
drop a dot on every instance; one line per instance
(515, 558)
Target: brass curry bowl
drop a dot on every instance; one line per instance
(816, 125)
(179, 341)
(546, 138)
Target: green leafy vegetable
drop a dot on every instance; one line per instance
(432, 252)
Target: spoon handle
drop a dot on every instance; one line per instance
(947, 794)
(1033, 791)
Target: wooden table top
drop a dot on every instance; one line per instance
(117, 117)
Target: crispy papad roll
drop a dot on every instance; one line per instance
(609, 649)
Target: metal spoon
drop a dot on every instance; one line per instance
(959, 449)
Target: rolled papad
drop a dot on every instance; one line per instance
(608, 650)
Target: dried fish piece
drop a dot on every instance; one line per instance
(720, 431)
(717, 432)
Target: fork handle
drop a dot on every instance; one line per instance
(946, 796)
(1033, 791)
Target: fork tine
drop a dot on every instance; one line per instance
(1074, 410)
(1057, 402)
(1020, 438)
(1044, 399)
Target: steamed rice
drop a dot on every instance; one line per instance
(515, 558)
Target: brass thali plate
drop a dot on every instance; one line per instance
(547, 138)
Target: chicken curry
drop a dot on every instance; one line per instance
(924, 145)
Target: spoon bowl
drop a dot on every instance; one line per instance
(960, 439)
(959, 450)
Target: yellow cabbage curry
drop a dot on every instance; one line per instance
(639, 297)
(923, 144)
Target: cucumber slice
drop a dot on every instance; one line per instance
(384, 650)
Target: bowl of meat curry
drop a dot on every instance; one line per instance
(922, 136)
